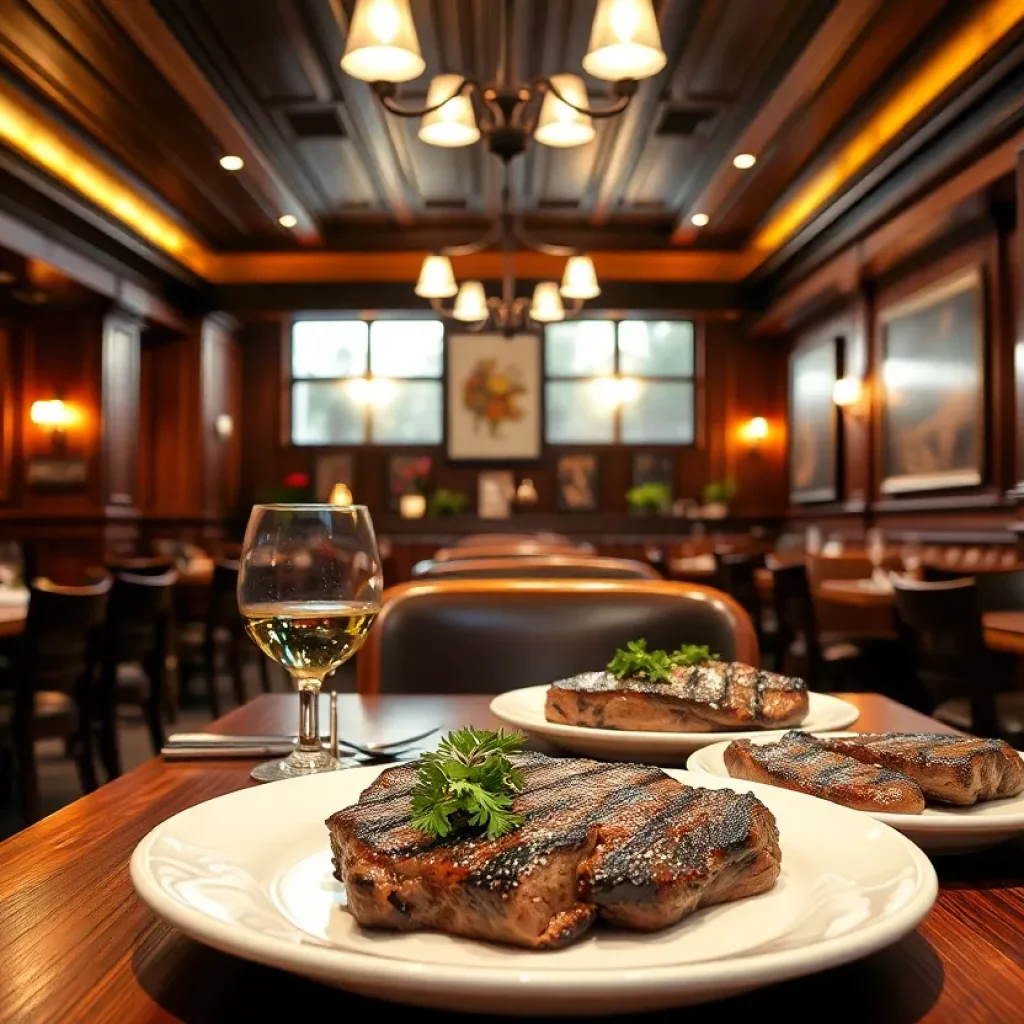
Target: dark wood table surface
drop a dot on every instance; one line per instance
(76, 945)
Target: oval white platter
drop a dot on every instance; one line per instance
(250, 873)
(938, 830)
(524, 709)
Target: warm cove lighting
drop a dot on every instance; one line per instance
(382, 45)
(51, 412)
(989, 24)
(25, 131)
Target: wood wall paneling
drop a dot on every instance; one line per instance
(120, 425)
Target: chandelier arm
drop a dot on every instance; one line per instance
(387, 91)
(531, 242)
(574, 310)
(438, 307)
(485, 241)
(624, 90)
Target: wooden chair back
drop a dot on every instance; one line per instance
(138, 615)
(479, 635)
(796, 617)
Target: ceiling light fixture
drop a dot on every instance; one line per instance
(744, 161)
(383, 49)
(287, 220)
(699, 219)
(232, 163)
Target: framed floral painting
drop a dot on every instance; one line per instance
(494, 397)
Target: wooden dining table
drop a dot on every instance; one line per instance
(77, 945)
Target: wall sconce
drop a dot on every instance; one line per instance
(754, 431)
(848, 394)
(224, 426)
(412, 506)
(53, 413)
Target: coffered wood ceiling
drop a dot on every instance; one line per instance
(152, 92)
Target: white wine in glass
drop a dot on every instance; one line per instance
(309, 589)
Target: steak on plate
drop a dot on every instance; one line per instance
(623, 842)
(800, 762)
(949, 769)
(710, 697)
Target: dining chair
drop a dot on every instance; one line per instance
(736, 575)
(510, 549)
(941, 626)
(536, 567)
(137, 645)
(487, 635)
(50, 684)
(999, 590)
(475, 540)
(140, 566)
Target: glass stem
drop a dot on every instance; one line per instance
(309, 714)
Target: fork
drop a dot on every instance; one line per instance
(383, 749)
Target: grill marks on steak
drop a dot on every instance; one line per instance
(802, 763)
(623, 842)
(712, 696)
(950, 769)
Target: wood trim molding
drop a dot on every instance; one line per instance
(368, 662)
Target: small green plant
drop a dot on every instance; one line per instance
(650, 497)
(720, 492)
(445, 502)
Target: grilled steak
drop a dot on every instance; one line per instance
(949, 769)
(622, 842)
(706, 698)
(800, 762)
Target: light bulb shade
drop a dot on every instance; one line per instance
(624, 41)
(382, 45)
(453, 123)
(580, 279)
(547, 303)
(559, 125)
(471, 303)
(436, 280)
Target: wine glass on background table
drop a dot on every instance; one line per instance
(309, 589)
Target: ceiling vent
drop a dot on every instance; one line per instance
(683, 120)
(316, 124)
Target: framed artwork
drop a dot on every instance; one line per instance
(496, 490)
(407, 474)
(334, 469)
(655, 468)
(813, 442)
(933, 387)
(577, 483)
(494, 397)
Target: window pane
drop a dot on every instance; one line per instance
(407, 348)
(575, 414)
(656, 348)
(328, 348)
(411, 415)
(662, 413)
(582, 348)
(326, 413)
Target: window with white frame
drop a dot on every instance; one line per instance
(628, 382)
(357, 382)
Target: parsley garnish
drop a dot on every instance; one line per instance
(468, 782)
(655, 666)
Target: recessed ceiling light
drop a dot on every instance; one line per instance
(699, 219)
(744, 161)
(232, 163)
(288, 220)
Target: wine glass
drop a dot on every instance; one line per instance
(309, 589)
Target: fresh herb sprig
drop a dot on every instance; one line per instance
(468, 783)
(655, 666)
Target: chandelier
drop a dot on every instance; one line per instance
(383, 49)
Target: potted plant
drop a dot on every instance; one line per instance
(446, 502)
(649, 499)
(717, 495)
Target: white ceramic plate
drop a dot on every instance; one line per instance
(525, 710)
(938, 830)
(250, 873)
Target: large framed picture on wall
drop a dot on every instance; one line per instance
(494, 397)
(813, 442)
(933, 386)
